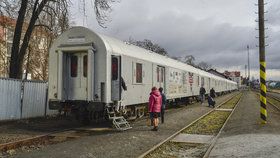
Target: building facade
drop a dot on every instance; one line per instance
(234, 76)
(37, 52)
(7, 26)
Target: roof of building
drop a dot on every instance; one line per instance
(232, 73)
(215, 72)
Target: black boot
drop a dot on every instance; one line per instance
(155, 128)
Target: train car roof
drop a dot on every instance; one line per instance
(116, 46)
(141, 53)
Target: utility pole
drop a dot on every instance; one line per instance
(248, 63)
(263, 111)
(246, 72)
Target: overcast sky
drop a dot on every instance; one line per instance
(214, 31)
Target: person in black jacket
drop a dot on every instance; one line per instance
(123, 84)
(212, 93)
(202, 92)
(163, 104)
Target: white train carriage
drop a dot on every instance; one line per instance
(87, 72)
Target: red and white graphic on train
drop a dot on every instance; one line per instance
(190, 78)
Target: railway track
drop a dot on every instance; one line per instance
(274, 101)
(39, 141)
(271, 99)
(274, 91)
(50, 138)
(198, 138)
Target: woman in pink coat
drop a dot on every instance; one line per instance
(155, 106)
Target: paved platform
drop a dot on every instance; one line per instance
(244, 136)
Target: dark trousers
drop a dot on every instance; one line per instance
(202, 98)
(162, 115)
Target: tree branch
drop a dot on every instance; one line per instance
(43, 25)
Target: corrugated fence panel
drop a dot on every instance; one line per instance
(34, 99)
(10, 99)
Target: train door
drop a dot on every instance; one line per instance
(76, 72)
(116, 78)
(160, 77)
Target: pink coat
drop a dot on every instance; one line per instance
(155, 101)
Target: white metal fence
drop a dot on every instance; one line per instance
(23, 99)
(10, 99)
(34, 99)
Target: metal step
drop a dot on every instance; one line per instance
(110, 113)
(119, 122)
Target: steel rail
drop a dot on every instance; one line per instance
(273, 97)
(41, 139)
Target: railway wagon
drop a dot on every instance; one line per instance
(89, 72)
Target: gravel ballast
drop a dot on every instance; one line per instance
(131, 143)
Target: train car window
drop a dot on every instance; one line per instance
(185, 79)
(158, 74)
(197, 80)
(85, 65)
(162, 74)
(115, 69)
(74, 66)
(202, 81)
(139, 75)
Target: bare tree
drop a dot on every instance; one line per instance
(204, 66)
(176, 58)
(27, 19)
(30, 15)
(149, 45)
(101, 8)
(189, 59)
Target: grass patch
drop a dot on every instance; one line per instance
(209, 125)
(231, 103)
